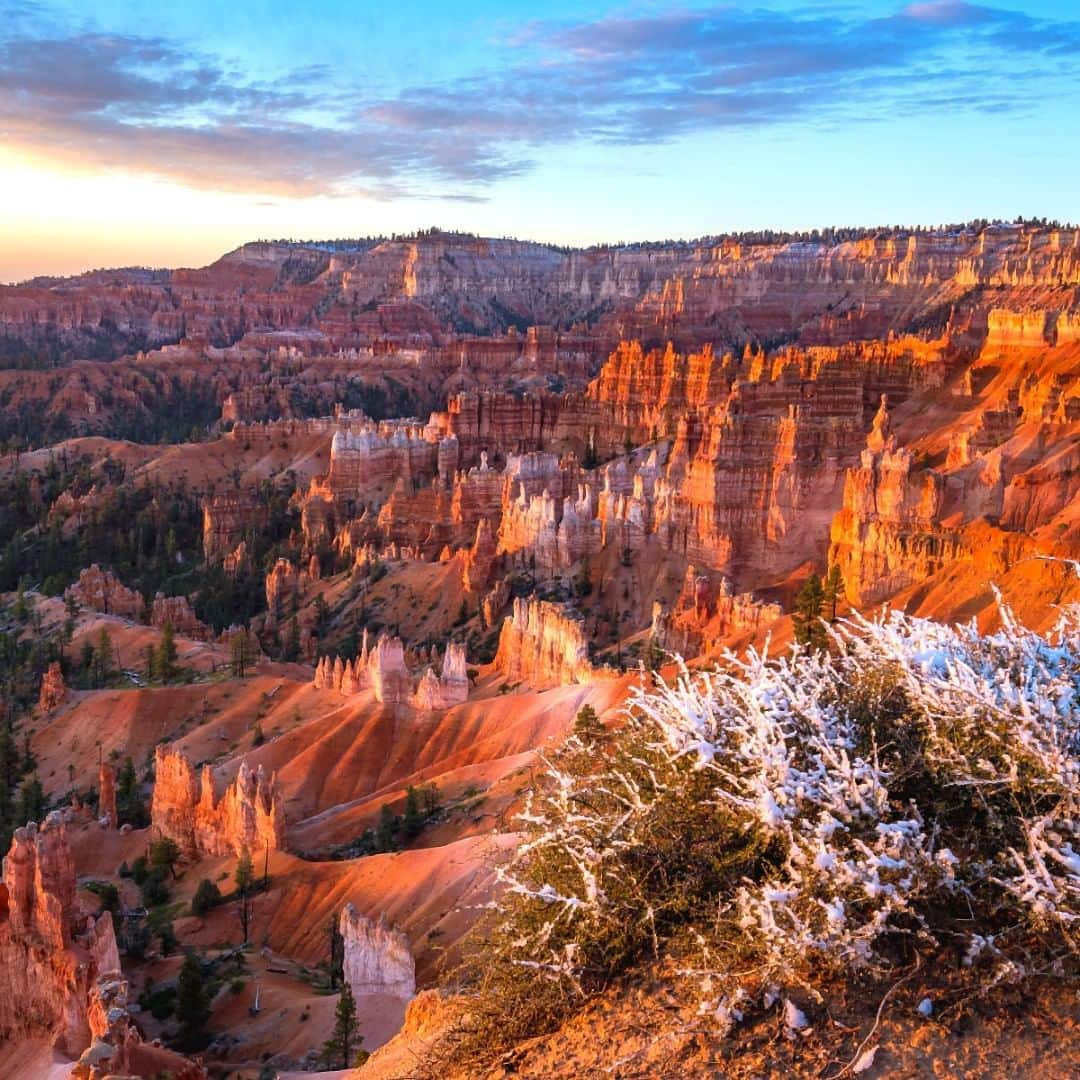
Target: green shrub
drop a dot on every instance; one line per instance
(207, 897)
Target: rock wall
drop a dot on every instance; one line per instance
(101, 590)
(227, 515)
(378, 957)
(1007, 329)
(177, 611)
(543, 643)
(48, 959)
(250, 814)
(887, 535)
(60, 976)
(371, 459)
(409, 297)
(707, 614)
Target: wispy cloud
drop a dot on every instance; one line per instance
(145, 104)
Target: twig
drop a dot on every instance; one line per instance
(877, 1020)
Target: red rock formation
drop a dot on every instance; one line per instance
(235, 560)
(382, 669)
(249, 815)
(53, 689)
(1007, 329)
(368, 460)
(39, 874)
(284, 586)
(117, 1048)
(886, 536)
(60, 977)
(707, 614)
(494, 602)
(100, 590)
(543, 643)
(177, 611)
(107, 795)
(226, 517)
(479, 559)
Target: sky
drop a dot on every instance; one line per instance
(158, 134)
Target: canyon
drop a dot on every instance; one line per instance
(408, 508)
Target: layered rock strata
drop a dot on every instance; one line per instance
(377, 956)
(707, 614)
(101, 590)
(542, 643)
(249, 815)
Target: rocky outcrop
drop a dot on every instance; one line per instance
(284, 586)
(249, 815)
(227, 516)
(887, 535)
(101, 590)
(543, 643)
(382, 669)
(1007, 329)
(49, 960)
(107, 795)
(60, 977)
(369, 459)
(176, 611)
(53, 688)
(377, 956)
(707, 615)
(39, 878)
(117, 1048)
(479, 559)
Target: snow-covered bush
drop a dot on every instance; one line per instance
(915, 789)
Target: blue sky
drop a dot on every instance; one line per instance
(163, 134)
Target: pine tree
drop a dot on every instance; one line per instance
(322, 615)
(809, 629)
(243, 878)
(340, 1049)
(654, 655)
(833, 589)
(587, 726)
(207, 896)
(166, 654)
(165, 853)
(192, 1008)
(430, 795)
(103, 659)
(86, 664)
(239, 654)
(29, 762)
(31, 802)
(129, 805)
(384, 834)
(245, 873)
(292, 645)
(413, 820)
(9, 757)
(337, 953)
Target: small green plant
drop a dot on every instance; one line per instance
(207, 897)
